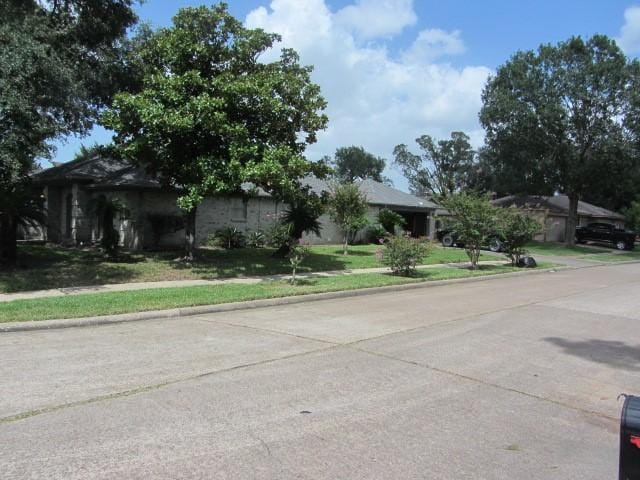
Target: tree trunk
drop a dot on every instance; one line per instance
(572, 221)
(345, 246)
(8, 241)
(190, 234)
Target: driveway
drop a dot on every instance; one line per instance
(498, 379)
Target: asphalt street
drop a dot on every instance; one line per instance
(507, 378)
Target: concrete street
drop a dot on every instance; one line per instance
(506, 378)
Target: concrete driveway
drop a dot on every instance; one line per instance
(506, 378)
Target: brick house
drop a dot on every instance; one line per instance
(552, 212)
(69, 187)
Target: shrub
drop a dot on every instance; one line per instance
(402, 253)
(228, 237)
(517, 230)
(390, 220)
(296, 255)
(256, 239)
(377, 234)
(474, 220)
(278, 234)
(106, 210)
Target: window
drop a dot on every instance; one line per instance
(239, 209)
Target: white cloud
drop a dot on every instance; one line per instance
(376, 18)
(374, 99)
(434, 43)
(629, 39)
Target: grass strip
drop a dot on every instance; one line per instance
(43, 267)
(111, 303)
(559, 249)
(614, 257)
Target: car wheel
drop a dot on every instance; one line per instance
(495, 245)
(580, 240)
(447, 240)
(621, 245)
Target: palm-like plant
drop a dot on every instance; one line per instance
(106, 210)
(302, 216)
(23, 208)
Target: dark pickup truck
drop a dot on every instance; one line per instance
(448, 238)
(606, 233)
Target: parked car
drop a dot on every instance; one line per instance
(606, 233)
(448, 238)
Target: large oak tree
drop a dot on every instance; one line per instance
(355, 163)
(211, 115)
(60, 63)
(443, 168)
(560, 120)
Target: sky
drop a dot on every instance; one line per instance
(392, 70)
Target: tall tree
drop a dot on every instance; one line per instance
(355, 163)
(60, 63)
(442, 169)
(211, 115)
(558, 119)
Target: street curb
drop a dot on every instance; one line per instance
(249, 305)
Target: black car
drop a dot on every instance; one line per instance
(606, 233)
(448, 238)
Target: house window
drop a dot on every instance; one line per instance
(239, 209)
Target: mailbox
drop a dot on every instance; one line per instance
(630, 439)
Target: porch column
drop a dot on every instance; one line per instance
(431, 226)
(74, 213)
(46, 203)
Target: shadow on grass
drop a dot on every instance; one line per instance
(246, 262)
(615, 354)
(41, 267)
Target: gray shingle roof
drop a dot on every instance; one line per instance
(380, 194)
(558, 204)
(87, 170)
(103, 173)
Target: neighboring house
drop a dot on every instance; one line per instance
(553, 211)
(68, 189)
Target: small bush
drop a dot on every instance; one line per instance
(517, 229)
(390, 220)
(256, 239)
(297, 254)
(228, 237)
(377, 234)
(278, 234)
(402, 254)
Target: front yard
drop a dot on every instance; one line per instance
(560, 250)
(46, 267)
(94, 304)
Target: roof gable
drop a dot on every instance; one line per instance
(558, 204)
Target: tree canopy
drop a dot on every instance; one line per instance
(211, 115)
(443, 168)
(562, 119)
(60, 63)
(355, 163)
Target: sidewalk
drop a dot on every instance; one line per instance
(122, 287)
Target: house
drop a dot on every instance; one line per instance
(68, 189)
(553, 211)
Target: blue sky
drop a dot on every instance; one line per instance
(392, 70)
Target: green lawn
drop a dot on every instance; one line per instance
(615, 257)
(560, 250)
(74, 306)
(45, 267)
